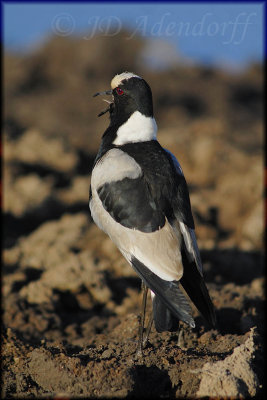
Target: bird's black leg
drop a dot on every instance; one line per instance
(148, 329)
(181, 342)
(142, 320)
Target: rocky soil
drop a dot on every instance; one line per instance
(70, 301)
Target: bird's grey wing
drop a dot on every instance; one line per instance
(184, 221)
(192, 279)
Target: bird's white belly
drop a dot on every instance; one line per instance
(159, 250)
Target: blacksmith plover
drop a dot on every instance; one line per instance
(139, 197)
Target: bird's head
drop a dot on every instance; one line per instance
(131, 111)
(130, 93)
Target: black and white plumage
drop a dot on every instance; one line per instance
(139, 197)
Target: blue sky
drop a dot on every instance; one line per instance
(227, 34)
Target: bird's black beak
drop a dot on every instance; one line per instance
(100, 93)
(109, 92)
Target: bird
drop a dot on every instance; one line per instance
(139, 197)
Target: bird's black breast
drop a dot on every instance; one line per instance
(167, 185)
(156, 167)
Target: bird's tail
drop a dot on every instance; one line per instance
(194, 285)
(171, 299)
(164, 320)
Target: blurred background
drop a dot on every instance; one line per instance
(63, 280)
(223, 35)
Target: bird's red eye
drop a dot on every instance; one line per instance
(119, 91)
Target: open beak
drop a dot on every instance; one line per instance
(109, 92)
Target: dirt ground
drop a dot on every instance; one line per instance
(70, 301)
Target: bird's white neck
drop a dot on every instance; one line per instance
(138, 128)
